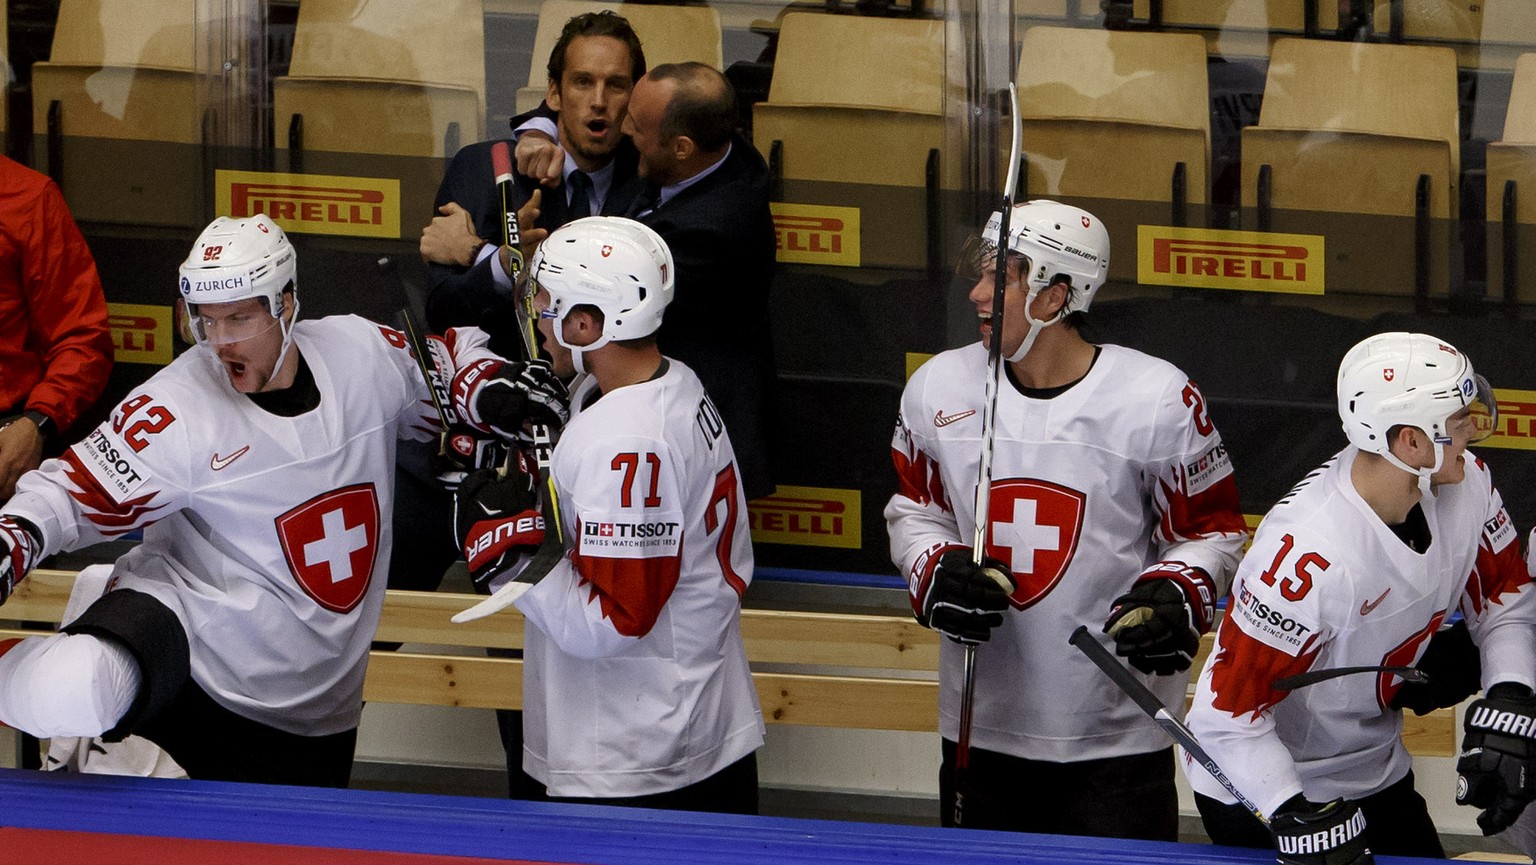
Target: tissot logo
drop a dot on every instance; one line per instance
(314, 203)
(1248, 260)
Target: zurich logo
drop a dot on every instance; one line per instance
(186, 285)
(1467, 387)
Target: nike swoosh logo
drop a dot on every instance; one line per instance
(218, 463)
(942, 419)
(1367, 606)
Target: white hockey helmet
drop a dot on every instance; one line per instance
(615, 264)
(1409, 379)
(236, 259)
(1056, 239)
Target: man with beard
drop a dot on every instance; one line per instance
(592, 70)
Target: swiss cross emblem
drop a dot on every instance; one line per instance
(607, 250)
(1086, 223)
(331, 542)
(1389, 373)
(605, 530)
(1034, 528)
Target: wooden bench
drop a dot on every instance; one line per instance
(856, 671)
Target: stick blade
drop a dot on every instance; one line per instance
(503, 597)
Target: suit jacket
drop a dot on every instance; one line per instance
(463, 296)
(722, 241)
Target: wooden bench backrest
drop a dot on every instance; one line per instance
(818, 651)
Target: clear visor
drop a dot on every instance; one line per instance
(1485, 409)
(214, 324)
(978, 255)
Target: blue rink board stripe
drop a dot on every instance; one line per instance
(831, 578)
(456, 826)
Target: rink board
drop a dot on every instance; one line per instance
(70, 819)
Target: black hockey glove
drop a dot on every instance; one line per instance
(965, 601)
(497, 521)
(1497, 769)
(1455, 671)
(20, 544)
(1157, 624)
(500, 396)
(1330, 833)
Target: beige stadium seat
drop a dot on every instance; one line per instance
(1512, 185)
(669, 34)
(1109, 118)
(1244, 28)
(1349, 137)
(1486, 34)
(384, 77)
(117, 101)
(859, 127)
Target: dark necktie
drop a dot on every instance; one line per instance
(581, 194)
(645, 201)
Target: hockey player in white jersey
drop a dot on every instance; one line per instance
(1111, 493)
(1359, 566)
(258, 465)
(636, 689)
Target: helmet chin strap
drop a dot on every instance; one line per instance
(1423, 474)
(287, 326)
(1035, 325)
(577, 351)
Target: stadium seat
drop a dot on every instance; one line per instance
(669, 34)
(1240, 28)
(862, 127)
(116, 107)
(384, 77)
(1512, 193)
(1486, 34)
(1359, 142)
(1117, 122)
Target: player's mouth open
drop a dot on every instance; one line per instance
(598, 127)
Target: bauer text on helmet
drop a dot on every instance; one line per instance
(1056, 240)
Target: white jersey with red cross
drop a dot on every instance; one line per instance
(635, 680)
(267, 536)
(1328, 584)
(1090, 487)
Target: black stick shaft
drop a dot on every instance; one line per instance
(1149, 703)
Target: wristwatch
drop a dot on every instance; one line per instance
(44, 423)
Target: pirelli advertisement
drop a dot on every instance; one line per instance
(1250, 316)
(1246, 260)
(314, 203)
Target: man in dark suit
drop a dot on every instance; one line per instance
(707, 196)
(592, 71)
(706, 193)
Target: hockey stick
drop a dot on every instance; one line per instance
(1411, 675)
(436, 387)
(1155, 709)
(552, 549)
(983, 503)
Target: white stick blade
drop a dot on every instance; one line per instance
(504, 597)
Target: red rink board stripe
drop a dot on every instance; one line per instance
(52, 847)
